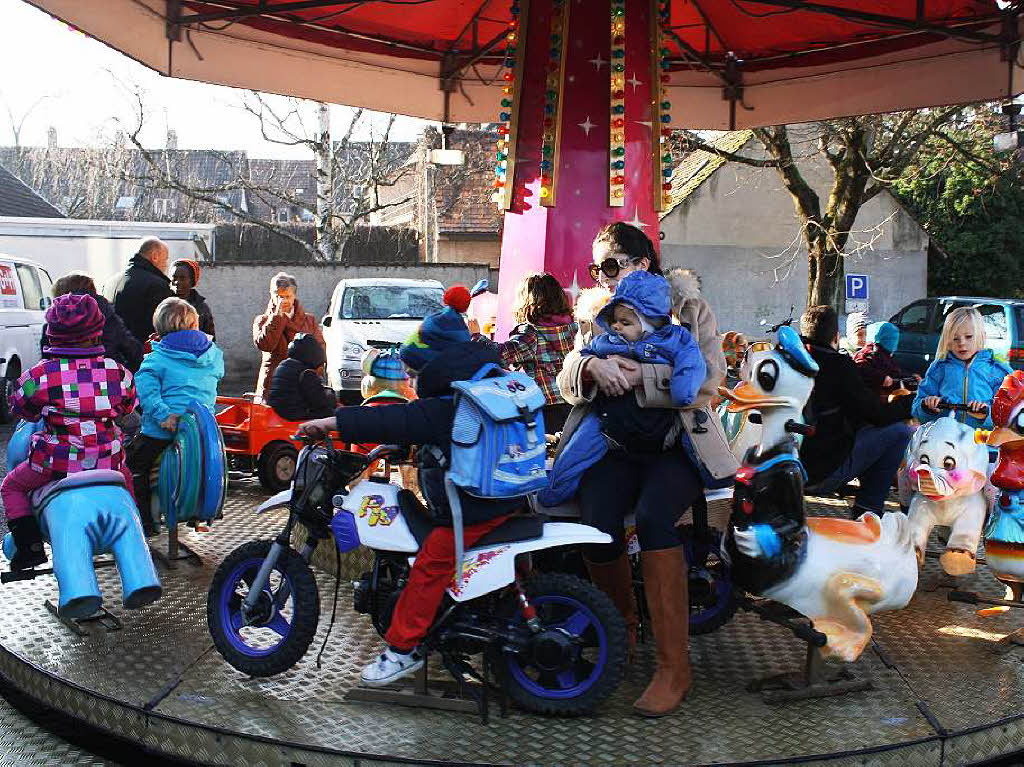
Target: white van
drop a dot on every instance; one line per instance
(369, 312)
(24, 296)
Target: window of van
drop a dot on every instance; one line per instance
(382, 302)
(31, 290)
(993, 315)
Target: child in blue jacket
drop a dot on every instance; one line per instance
(964, 372)
(184, 365)
(638, 326)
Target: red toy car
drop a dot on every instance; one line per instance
(258, 441)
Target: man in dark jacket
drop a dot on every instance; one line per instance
(442, 353)
(856, 435)
(137, 292)
(296, 389)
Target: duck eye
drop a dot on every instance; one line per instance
(925, 460)
(1020, 421)
(767, 375)
(949, 463)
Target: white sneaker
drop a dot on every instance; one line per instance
(391, 666)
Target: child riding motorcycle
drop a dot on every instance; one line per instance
(440, 352)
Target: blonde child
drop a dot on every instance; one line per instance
(184, 365)
(964, 372)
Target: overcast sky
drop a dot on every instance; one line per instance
(51, 75)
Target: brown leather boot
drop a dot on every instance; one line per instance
(615, 579)
(665, 583)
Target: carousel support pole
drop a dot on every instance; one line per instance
(581, 147)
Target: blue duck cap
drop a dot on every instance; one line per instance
(884, 334)
(795, 353)
(645, 293)
(388, 366)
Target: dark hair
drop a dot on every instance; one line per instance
(539, 295)
(631, 241)
(820, 324)
(73, 282)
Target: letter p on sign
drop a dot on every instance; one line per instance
(856, 287)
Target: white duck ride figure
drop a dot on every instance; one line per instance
(834, 571)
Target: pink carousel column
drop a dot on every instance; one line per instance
(561, 182)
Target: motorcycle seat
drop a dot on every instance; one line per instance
(521, 527)
(41, 497)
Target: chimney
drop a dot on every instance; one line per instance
(51, 138)
(172, 139)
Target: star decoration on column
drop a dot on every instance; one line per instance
(636, 220)
(574, 289)
(598, 62)
(587, 125)
(634, 82)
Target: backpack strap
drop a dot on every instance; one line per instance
(455, 504)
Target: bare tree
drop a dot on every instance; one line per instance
(865, 154)
(347, 175)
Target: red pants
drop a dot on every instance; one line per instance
(432, 573)
(22, 480)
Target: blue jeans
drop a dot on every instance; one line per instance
(874, 459)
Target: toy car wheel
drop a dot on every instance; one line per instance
(277, 466)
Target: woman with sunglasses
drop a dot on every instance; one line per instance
(273, 330)
(659, 486)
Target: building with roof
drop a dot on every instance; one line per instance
(18, 199)
(450, 206)
(735, 225)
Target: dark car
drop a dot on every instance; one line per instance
(920, 324)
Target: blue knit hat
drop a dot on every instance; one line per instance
(884, 334)
(438, 331)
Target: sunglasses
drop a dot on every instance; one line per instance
(611, 266)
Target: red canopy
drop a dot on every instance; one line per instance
(735, 62)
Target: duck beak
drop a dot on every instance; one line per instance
(745, 397)
(1003, 436)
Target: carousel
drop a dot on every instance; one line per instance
(815, 638)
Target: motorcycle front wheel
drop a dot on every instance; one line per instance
(577, 659)
(277, 633)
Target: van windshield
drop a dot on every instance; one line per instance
(384, 302)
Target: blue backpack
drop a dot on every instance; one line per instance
(498, 447)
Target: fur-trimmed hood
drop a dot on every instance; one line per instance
(590, 302)
(685, 284)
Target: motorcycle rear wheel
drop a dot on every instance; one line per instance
(578, 659)
(273, 639)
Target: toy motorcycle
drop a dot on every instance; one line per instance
(556, 643)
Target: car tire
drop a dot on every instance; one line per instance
(6, 388)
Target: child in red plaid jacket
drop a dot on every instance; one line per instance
(78, 392)
(538, 344)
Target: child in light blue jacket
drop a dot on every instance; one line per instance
(184, 365)
(964, 372)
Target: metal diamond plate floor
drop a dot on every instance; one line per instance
(940, 696)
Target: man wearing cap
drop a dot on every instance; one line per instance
(137, 292)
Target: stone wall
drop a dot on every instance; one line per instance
(238, 292)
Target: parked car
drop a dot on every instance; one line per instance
(372, 312)
(920, 324)
(24, 296)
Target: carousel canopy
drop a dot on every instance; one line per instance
(734, 63)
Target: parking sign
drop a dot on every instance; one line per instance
(856, 287)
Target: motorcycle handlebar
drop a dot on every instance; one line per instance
(961, 408)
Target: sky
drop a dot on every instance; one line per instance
(51, 75)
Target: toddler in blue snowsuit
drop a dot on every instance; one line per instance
(638, 326)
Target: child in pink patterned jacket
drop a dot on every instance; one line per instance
(78, 392)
